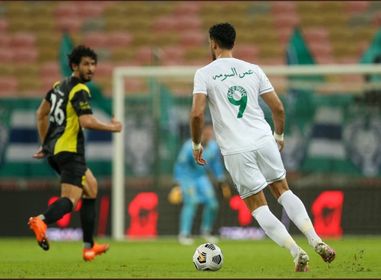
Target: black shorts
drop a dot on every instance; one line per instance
(70, 166)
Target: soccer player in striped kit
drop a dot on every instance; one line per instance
(64, 111)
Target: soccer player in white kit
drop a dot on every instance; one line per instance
(251, 152)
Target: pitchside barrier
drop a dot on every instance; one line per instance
(335, 212)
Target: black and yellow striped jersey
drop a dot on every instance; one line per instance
(69, 99)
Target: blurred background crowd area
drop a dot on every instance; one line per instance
(126, 33)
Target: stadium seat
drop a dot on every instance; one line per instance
(123, 55)
(356, 7)
(187, 23)
(7, 69)
(324, 58)
(143, 39)
(25, 55)
(315, 34)
(347, 60)
(198, 61)
(167, 39)
(48, 39)
(43, 24)
(116, 23)
(93, 25)
(143, 56)
(343, 49)
(172, 55)
(8, 86)
(6, 55)
(50, 68)
(27, 69)
(377, 19)
(30, 86)
(269, 60)
(5, 40)
(284, 34)
(19, 24)
(47, 82)
(23, 39)
(67, 10)
(48, 53)
(164, 23)
(87, 9)
(286, 20)
(193, 38)
(104, 69)
(269, 50)
(119, 39)
(3, 25)
(283, 7)
(186, 8)
(197, 53)
(320, 48)
(96, 40)
(247, 52)
(68, 24)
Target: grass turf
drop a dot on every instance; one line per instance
(357, 257)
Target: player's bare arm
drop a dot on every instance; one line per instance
(276, 106)
(42, 116)
(89, 121)
(197, 123)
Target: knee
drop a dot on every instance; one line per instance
(278, 188)
(92, 187)
(190, 202)
(213, 204)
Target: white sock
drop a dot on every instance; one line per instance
(297, 213)
(275, 229)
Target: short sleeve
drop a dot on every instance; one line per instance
(81, 103)
(264, 82)
(48, 95)
(199, 83)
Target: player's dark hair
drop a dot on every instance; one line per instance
(223, 34)
(81, 51)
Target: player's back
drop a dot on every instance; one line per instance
(233, 87)
(68, 99)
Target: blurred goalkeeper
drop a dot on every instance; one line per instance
(196, 187)
(63, 113)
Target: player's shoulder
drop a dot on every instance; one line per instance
(56, 84)
(217, 63)
(78, 86)
(205, 69)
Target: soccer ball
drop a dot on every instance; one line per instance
(208, 256)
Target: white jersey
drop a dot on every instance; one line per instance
(233, 87)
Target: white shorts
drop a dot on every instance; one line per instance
(252, 171)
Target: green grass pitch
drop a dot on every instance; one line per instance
(357, 257)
